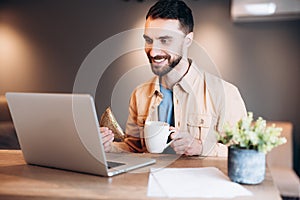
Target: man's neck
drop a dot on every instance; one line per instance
(175, 75)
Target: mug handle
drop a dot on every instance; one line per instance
(168, 144)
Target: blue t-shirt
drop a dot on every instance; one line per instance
(166, 108)
(166, 112)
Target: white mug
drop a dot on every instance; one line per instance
(156, 136)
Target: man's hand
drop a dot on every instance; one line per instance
(107, 138)
(185, 143)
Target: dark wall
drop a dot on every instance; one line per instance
(43, 44)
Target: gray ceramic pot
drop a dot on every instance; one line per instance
(246, 166)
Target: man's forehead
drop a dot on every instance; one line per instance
(159, 27)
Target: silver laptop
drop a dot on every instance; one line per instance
(62, 131)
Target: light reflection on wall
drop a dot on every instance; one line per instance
(16, 60)
(138, 71)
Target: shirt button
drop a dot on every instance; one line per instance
(202, 121)
(178, 124)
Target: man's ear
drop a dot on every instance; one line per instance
(189, 39)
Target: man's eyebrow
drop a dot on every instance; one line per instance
(160, 38)
(165, 37)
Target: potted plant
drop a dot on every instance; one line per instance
(248, 142)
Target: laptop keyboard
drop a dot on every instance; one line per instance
(111, 164)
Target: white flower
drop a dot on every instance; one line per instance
(252, 135)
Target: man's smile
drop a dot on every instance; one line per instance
(158, 59)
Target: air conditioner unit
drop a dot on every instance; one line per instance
(264, 10)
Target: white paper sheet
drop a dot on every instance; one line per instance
(208, 182)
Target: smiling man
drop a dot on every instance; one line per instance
(193, 102)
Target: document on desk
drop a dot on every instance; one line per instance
(208, 182)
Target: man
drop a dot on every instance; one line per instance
(193, 102)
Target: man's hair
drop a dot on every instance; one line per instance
(173, 9)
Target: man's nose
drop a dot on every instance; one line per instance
(155, 50)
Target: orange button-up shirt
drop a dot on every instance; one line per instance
(202, 103)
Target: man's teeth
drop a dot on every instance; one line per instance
(159, 60)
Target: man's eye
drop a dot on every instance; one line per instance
(163, 41)
(148, 41)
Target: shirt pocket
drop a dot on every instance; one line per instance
(199, 125)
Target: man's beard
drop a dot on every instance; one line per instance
(163, 70)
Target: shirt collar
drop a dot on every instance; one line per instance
(186, 82)
(190, 78)
(154, 89)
